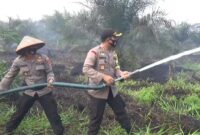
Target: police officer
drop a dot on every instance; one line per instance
(101, 66)
(34, 68)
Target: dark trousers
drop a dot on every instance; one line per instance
(50, 108)
(97, 107)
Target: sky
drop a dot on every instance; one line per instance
(35, 9)
(181, 10)
(178, 10)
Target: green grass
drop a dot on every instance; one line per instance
(192, 66)
(149, 95)
(36, 122)
(75, 123)
(167, 98)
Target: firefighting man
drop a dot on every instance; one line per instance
(101, 66)
(34, 68)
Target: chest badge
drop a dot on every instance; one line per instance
(26, 73)
(102, 67)
(39, 60)
(102, 54)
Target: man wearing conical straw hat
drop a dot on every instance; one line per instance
(34, 68)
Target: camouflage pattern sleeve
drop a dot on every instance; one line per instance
(48, 68)
(89, 67)
(10, 76)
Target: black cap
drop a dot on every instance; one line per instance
(109, 33)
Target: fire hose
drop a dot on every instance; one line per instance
(55, 84)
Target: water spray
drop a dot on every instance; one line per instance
(165, 60)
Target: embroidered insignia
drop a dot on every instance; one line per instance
(39, 60)
(102, 54)
(26, 73)
(94, 53)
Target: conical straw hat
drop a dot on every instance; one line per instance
(28, 41)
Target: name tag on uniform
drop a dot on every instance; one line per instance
(102, 66)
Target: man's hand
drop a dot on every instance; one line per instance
(50, 82)
(125, 75)
(108, 79)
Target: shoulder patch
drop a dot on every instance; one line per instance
(95, 53)
(39, 59)
(43, 59)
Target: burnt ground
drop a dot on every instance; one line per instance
(141, 116)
